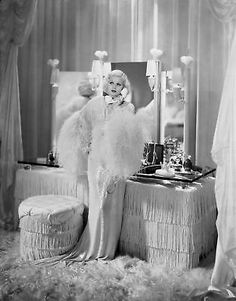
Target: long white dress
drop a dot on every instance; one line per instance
(108, 136)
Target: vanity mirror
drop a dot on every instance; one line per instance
(171, 107)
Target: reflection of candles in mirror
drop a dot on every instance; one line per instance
(177, 92)
(94, 80)
(96, 67)
(177, 76)
(106, 68)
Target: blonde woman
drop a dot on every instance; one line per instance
(105, 139)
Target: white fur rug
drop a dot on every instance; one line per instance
(123, 278)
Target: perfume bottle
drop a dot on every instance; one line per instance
(51, 159)
(188, 164)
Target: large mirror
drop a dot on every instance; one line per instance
(73, 91)
(69, 99)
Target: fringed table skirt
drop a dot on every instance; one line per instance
(169, 224)
(43, 180)
(50, 225)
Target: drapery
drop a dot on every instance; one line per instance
(72, 30)
(223, 153)
(16, 19)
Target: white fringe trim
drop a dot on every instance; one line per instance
(50, 181)
(35, 225)
(175, 224)
(39, 241)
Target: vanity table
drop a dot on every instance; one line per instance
(166, 222)
(33, 178)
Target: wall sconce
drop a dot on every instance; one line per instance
(153, 69)
(54, 80)
(153, 72)
(100, 69)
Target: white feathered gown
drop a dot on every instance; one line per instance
(114, 139)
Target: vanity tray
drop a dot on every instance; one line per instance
(34, 162)
(148, 173)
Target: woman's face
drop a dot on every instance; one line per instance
(115, 86)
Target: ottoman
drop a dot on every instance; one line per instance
(50, 225)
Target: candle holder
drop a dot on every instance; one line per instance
(54, 80)
(100, 69)
(153, 72)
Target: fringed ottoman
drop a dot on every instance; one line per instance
(50, 225)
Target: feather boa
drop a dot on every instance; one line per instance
(73, 144)
(119, 143)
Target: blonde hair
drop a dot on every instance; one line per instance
(120, 74)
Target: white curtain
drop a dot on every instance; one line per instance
(16, 18)
(223, 153)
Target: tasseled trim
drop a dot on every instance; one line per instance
(37, 246)
(49, 181)
(43, 240)
(35, 225)
(175, 224)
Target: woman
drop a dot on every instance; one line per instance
(107, 138)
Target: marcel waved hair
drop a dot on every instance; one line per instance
(117, 73)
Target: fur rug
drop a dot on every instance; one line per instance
(123, 278)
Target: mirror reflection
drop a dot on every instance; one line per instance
(74, 91)
(174, 117)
